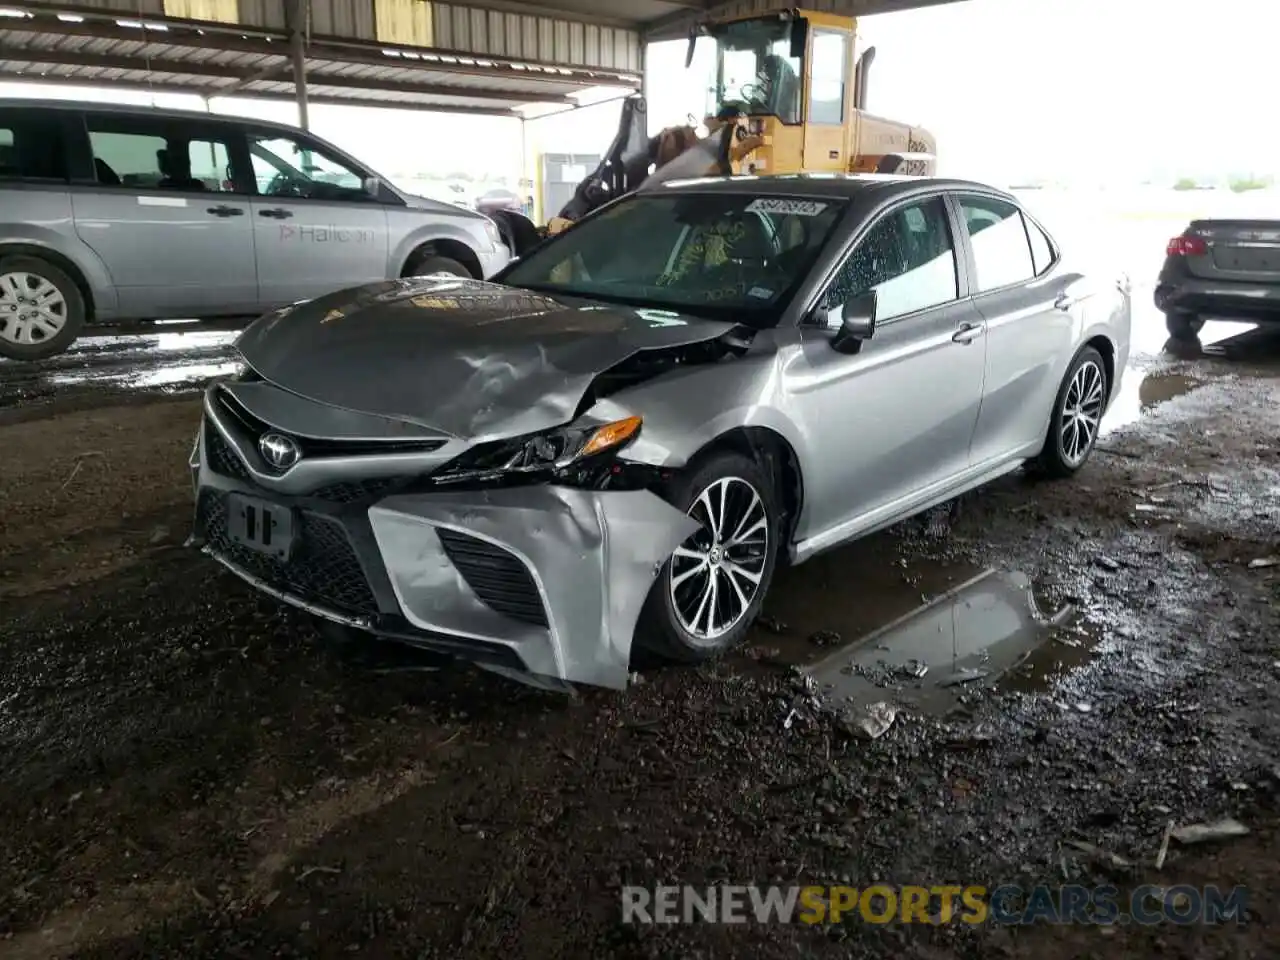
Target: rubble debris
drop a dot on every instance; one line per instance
(1262, 563)
(965, 675)
(825, 638)
(771, 624)
(1106, 563)
(1103, 857)
(1224, 829)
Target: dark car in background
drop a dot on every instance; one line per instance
(1229, 267)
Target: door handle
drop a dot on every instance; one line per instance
(276, 213)
(1064, 302)
(969, 332)
(225, 211)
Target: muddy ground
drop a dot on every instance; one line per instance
(186, 771)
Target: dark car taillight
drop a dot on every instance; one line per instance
(1187, 247)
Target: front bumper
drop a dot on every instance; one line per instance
(539, 579)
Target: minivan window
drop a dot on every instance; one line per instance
(155, 155)
(284, 167)
(31, 146)
(907, 258)
(1001, 253)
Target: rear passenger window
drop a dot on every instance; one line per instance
(156, 155)
(907, 257)
(1001, 252)
(32, 146)
(1041, 248)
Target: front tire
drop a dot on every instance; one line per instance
(424, 266)
(708, 593)
(1184, 327)
(1077, 415)
(41, 309)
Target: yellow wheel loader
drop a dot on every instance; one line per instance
(788, 96)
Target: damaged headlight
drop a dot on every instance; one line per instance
(550, 453)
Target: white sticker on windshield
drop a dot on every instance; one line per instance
(785, 206)
(764, 293)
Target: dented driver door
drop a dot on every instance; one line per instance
(315, 227)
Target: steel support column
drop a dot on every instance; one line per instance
(296, 15)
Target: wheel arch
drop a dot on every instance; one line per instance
(62, 262)
(444, 247)
(775, 454)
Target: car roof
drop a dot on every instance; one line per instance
(137, 110)
(830, 185)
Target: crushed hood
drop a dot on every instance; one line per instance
(467, 358)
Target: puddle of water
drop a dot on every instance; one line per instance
(165, 376)
(971, 636)
(1140, 392)
(844, 594)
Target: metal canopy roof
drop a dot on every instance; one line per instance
(491, 57)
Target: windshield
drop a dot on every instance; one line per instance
(755, 69)
(732, 256)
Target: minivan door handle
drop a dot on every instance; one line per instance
(276, 213)
(225, 211)
(969, 332)
(1064, 302)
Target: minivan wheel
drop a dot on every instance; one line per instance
(431, 264)
(711, 589)
(41, 309)
(1183, 326)
(1077, 415)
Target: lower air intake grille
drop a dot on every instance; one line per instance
(498, 578)
(323, 569)
(219, 456)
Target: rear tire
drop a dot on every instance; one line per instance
(432, 264)
(1077, 415)
(1183, 326)
(708, 593)
(39, 303)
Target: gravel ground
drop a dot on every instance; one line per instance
(185, 771)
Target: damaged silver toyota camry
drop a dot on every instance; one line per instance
(616, 442)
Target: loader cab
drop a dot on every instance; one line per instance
(788, 80)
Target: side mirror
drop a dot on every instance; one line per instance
(688, 53)
(799, 36)
(853, 322)
(372, 186)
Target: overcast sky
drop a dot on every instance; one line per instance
(1012, 89)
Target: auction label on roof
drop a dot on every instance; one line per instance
(786, 206)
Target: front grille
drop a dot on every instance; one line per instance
(323, 568)
(220, 458)
(354, 491)
(498, 578)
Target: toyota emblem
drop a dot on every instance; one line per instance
(279, 451)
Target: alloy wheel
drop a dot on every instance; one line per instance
(32, 310)
(716, 574)
(1081, 413)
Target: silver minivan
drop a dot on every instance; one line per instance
(112, 213)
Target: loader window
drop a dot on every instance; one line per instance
(736, 256)
(755, 69)
(827, 81)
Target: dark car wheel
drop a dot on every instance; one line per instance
(711, 589)
(41, 309)
(1183, 326)
(1077, 415)
(432, 264)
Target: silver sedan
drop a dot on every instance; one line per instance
(616, 442)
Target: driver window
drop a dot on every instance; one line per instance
(908, 258)
(284, 167)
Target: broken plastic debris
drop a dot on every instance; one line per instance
(1262, 562)
(967, 675)
(1223, 829)
(872, 722)
(1104, 857)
